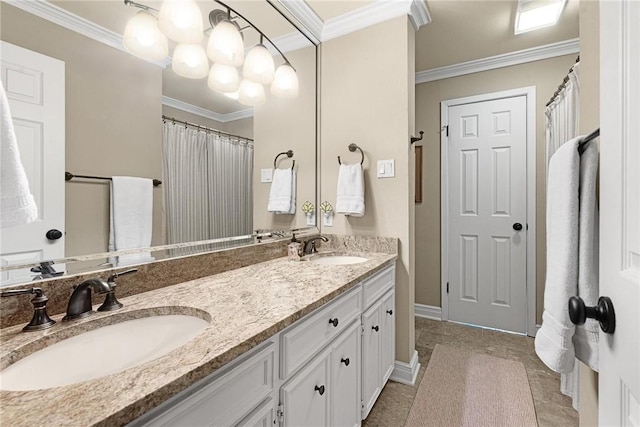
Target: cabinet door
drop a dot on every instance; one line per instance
(306, 396)
(263, 416)
(371, 377)
(387, 335)
(345, 378)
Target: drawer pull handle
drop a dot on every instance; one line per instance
(390, 312)
(334, 322)
(320, 389)
(345, 361)
(375, 328)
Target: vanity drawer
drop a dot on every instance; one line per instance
(309, 335)
(224, 400)
(375, 286)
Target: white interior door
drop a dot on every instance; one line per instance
(35, 88)
(619, 380)
(487, 204)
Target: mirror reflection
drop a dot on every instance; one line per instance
(105, 113)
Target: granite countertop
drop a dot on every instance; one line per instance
(245, 307)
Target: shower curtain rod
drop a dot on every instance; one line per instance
(204, 128)
(563, 84)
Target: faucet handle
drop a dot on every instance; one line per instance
(110, 301)
(40, 319)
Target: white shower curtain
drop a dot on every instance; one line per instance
(562, 122)
(207, 184)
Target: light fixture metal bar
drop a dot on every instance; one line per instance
(139, 6)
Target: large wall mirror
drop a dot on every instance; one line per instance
(126, 116)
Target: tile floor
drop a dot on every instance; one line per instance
(553, 409)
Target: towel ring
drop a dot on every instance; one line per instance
(353, 147)
(289, 154)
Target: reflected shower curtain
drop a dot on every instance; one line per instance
(562, 122)
(207, 184)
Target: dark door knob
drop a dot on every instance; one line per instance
(603, 313)
(53, 234)
(517, 226)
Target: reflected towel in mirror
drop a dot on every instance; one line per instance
(131, 213)
(282, 197)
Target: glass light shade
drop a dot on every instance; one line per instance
(536, 14)
(285, 82)
(225, 45)
(181, 21)
(143, 38)
(223, 78)
(190, 61)
(251, 93)
(258, 65)
(233, 95)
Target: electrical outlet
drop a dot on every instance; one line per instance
(311, 219)
(327, 220)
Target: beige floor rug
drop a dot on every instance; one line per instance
(460, 388)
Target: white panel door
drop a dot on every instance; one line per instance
(35, 88)
(487, 197)
(619, 380)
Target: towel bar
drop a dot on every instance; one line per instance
(353, 147)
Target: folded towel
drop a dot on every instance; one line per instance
(17, 205)
(350, 193)
(586, 336)
(282, 197)
(131, 213)
(553, 343)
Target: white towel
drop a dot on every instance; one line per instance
(350, 192)
(585, 339)
(131, 213)
(17, 205)
(553, 343)
(282, 197)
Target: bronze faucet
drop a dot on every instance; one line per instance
(80, 302)
(310, 245)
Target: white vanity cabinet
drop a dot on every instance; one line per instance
(378, 336)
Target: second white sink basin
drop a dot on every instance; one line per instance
(100, 352)
(336, 259)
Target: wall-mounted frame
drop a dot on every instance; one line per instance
(418, 189)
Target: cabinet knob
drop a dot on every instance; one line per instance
(53, 234)
(390, 312)
(345, 361)
(334, 322)
(375, 328)
(320, 389)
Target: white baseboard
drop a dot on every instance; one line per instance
(406, 373)
(428, 311)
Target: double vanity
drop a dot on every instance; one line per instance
(289, 342)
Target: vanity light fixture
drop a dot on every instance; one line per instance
(535, 14)
(181, 21)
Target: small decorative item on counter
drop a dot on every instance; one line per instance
(294, 249)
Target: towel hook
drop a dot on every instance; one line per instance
(288, 153)
(415, 138)
(353, 147)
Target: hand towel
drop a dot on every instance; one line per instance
(282, 197)
(586, 336)
(553, 342)
(17, 205)
(350, 192)
(131, 213)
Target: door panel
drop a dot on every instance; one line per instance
(619, 355)
(345, 377)
(487, 183)
(371, 386)
(35, 87)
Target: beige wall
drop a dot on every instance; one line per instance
(281, 125)
(546, 75)
(365, 93)
(110, 128)
(589, 121)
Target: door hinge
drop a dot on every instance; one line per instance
(447, 287)
(280, 413)
(447, 126)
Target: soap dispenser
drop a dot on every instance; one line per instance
(294, 249)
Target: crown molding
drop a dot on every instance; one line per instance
(203, 112)
(309, 19)
(538, 53)
(289, 43)
(73, 22)
(375, 13)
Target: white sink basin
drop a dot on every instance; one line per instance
(336, 259)
(100, 352)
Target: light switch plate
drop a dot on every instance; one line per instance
(266, 175)
(386, 168)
